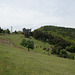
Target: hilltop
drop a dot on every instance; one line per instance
(61, 31)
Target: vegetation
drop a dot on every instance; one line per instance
(28, 43)
(65, 32)
(61, 37)
(71, 48)
(1, 30)
(4, 31)
(16, 60)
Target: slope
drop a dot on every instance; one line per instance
(17, 61)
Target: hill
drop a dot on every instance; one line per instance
(62, 38)
(62, 31)
(17, 60)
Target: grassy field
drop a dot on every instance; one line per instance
(17, 60)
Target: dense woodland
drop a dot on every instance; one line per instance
(62, 39)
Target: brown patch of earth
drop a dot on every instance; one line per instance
(9, 43)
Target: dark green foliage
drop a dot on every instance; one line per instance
(48, 49)
(56, 49)
(28, 43)
(71, 48)
(4, 31)
(72, 56)
(7, 31)
(48, 37)
(63, 53)
(1, 30)
(24, 43)
(40, 35)
(66, 54)
(44, 48)
(60, 37)
(60, 31)
(19, 32)
(15, 32)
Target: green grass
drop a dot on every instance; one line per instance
(16, 61)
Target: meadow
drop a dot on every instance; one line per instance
(17, 60)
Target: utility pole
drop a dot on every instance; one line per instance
(11, 29)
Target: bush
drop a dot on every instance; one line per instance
(66, 54)
(72, 56)
(23, 43)
(71, 48)
(56, 49)
(7, 31)
(30, 44)
(27, 43)
(1, 30)
(63, 53)
(15, 32)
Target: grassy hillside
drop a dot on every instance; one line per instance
(17, 60)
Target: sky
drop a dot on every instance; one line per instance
(36, 13)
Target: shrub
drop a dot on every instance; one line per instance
(28, 43)
(24, 42)
(15, 32)
(56, 49)
(7, 31)
(72, 56)
(71, 48)
(63, 53)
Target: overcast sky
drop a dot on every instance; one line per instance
(36, 13)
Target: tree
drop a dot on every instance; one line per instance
(24, 42)
(7, 31)
(30, 44)
(27, 43)
(15, 32)
(1, 30)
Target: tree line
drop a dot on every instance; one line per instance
(4, 31)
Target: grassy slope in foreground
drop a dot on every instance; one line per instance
(15, 61)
